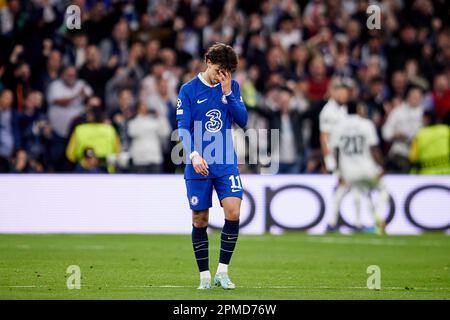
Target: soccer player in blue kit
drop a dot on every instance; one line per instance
(206, 108)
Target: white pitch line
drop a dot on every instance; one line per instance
(23, 286)
(296, 287)
(245, 287)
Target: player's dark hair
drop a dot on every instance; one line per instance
(223, 55)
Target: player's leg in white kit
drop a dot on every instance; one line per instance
(356, 193)
(372, 210)
(337, 200)
(383, 201)
(377, 208)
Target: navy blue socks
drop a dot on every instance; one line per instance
(200, 245)
(228, 241)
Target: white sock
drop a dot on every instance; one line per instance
(222, 268)
(383, 201)
(205, 275)
(357, 202)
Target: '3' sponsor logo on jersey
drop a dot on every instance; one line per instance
(214, 123)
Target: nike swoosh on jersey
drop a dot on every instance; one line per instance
(201, 101)
(235, 190)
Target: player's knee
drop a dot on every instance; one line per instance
(232, 214)
(200, 223)
(200, 219)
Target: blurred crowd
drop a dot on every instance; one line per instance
(103, 98)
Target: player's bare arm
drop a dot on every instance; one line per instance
(378, 157)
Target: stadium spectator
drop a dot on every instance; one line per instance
(298, 56)
(128, 77)
(183, 57)
(31, 123)
(115, 48)
(76, 50)
(66, 100)
(21, 84)
(94, 73)
(51, 71)
(430, 149)
(151, 53)
(413, 75)
(286, 119)
(150, 83)
(162, 102)
(375, 100)
(288, 34)
(89, 163)
(99, 136)
(441, 96)
(19, 162)
(294, 44)
(65, 97)
(318, 82)
(148, 132)
(92, 102)
(100, 21)
(10, 135)
(121, 116)
(401, 126)
(405, 49)
(22, 163)
(399, 84)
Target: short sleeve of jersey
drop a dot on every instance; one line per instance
(334, 138)
(326, 120)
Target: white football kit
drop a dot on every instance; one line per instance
(330, 117)
(354, 136)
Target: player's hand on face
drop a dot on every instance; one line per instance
(200, 165)
(225, 80)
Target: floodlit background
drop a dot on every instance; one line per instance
(130, 57)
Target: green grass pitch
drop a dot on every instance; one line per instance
(289, 266)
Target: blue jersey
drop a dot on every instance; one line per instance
(207, 115)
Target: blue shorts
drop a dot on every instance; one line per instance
(199, 191)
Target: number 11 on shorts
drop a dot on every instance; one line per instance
(235, 183)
